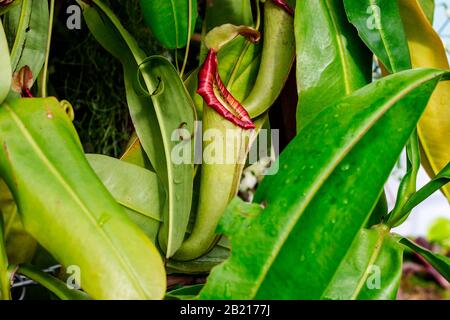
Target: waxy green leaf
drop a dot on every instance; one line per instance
(309, 225)
(54, 285)
(4, 279)
(441, 179)
(20, 246)
(371, 270)
(133, 187)
(5, 66)
(169, 20)
(331, 57)
(439, 262)
(380, 26)
(73, 216)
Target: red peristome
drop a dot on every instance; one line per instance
(283, 4)
(208, 76)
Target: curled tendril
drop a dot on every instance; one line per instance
(208, 80)
(284, 5)
(68, 109)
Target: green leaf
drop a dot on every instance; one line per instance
(133, 187)
(175, 111)
(380, 26)
(441, 179)
(137, 189)
(331, 57)
(169, 20)
(66, 208)
(371, 270)
(122, 46)
(184, 293)
(54, 285)
(439, 262)
(27, 29)
(148, 225)
(4, 279)
(20, 246)
(135, 154)
(201, 265)
(310, 223)
(5, 66)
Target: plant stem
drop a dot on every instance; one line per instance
(44, 73)
(186, 54)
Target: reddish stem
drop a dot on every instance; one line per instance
(207, 78)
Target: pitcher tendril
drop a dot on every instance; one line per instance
(284, 5)
(208, 82)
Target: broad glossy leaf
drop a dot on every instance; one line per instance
(439, 262)
(175, 111)
(122, 46)
(20, 245)
(380, 26)
(137, 189)
(237, 12)
(133, 187)
(331, 57)
(150, 226)
(184, 293)
(428, 51)
(371, 270)
(27, 27)
(169, 20)
(73, 215)
(309, 225)
(54, 285)
(5, 66)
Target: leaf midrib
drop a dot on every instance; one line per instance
(342, 56)
(383, 38)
